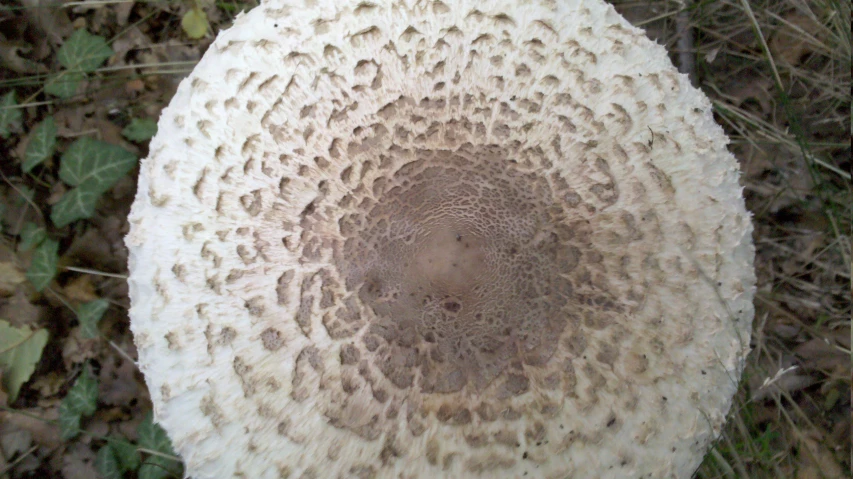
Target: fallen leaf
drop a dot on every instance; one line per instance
(51, 23)
(791, 42)
(10, 277)
(80, 289)
(816, 461)
(11, 57)
(20, 351)
(76, 349)
(820, 354)
(14, 440)
(118, 382)
(20, 311)
(48, 384)
(78, 462)
(195, 23)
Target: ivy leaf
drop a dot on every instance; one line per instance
(95, 165)
(140, 130)
(107, 463)
(195, 23)
(25, 195)
(82, 400)
(126, 453)
(152, 436)
(20, 351)
(31, 236)
(69, 422)
(64, 84)
(42, 144)
(10, 115)
(89, 315)
(74, 205)
(84, 51)
(43, 265)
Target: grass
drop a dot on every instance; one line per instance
(777, 71)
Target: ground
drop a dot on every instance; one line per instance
(82, 83)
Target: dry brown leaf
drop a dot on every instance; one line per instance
(816, 461)
(81, 290)
(78, 462)
(76, 349)
(12, 57)
(14, 440)
(56, 192)
(93, 249)
(820, 354)
(790, 43)
(756, 88)
(49, 384)
(51, 24)
(11, 276)
(117, 385)
(35, 420)
(19, 311)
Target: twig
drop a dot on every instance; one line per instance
(96, 272)
(20, 458)
(684, 31)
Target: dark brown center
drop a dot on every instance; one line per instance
(463, 264)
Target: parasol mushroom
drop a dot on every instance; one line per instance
(439, 239)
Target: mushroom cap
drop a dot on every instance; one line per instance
(433, 238)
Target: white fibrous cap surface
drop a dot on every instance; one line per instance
(439, 239)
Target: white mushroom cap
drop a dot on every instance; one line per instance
(439, 239)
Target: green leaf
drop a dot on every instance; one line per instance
(64, 84)
(20, 351)
(43, 265)
(10, 114)
(74, 205)
(84, 51)
(107, 463)
(152, 436)
(89, 315)
(96, 163)
(42, 144)
(69, 422)
(195, 23)
(31, 236)
(82, 400)
(94, 167)
(140, 130)
(155, 468)
(25, 195)
(126, 453)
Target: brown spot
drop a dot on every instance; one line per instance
(227, 335)
(432, 451)
(349, 354)
(272, 339)
(515, 385)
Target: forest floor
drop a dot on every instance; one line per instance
(82, 84)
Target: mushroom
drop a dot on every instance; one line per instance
(439, 239)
